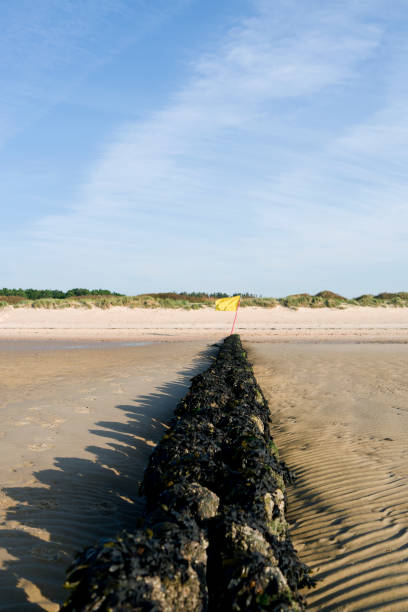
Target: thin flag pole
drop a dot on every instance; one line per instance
(235, 318)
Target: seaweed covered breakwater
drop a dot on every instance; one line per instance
(214, 536)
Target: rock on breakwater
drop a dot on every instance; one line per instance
(214, 536)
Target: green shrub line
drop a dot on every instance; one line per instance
(103, 298)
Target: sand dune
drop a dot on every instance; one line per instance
(341, 419)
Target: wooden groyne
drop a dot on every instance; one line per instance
(214, 536)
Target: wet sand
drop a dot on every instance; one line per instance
(77, 427)
(340, 414)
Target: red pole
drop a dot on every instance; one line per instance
(236, 313)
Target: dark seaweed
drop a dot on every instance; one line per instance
(215, 535)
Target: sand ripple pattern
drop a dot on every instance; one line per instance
(341, 422)
(77, 428)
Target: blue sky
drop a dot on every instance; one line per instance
(252, 145)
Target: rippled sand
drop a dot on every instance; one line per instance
(77, 427)
(340, 414)
(79, 421)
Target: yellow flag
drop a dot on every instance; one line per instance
(229, 303)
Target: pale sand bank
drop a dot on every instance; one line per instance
(77, 427)
(263, 324)
(340, 414)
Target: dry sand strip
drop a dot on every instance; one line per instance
(262, 324)
(340, 416)
(77, 427)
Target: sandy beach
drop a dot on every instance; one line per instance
(258, 324)
(77, 428)
(340, 417)
(83, 404)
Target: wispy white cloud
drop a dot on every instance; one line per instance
(254, 166)
(49, 47)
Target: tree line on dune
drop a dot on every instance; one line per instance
(40, 294)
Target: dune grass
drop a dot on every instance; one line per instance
(197, 300)
(329, 299)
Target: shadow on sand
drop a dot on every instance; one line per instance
(80, 500)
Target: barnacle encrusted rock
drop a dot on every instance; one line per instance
(161, 568)
(215, 535)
